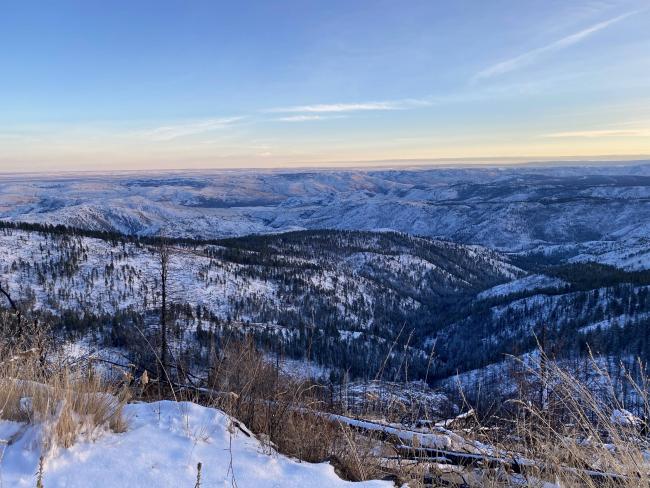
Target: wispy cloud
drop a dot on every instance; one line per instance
(352, 107)
(601, 133)
(307, 117)
(533, 55)
(169, 132)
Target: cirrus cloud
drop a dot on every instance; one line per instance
(601, 133)
(530, 57)
(307, 117)
(174, 131)
(352, 107)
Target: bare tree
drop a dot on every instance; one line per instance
(18, 330)
(163, 261)
(12, 304)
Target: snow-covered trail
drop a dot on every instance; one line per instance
(161, 448)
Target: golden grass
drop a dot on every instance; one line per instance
(67, 404)
(563, 431)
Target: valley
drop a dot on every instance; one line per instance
(381, 302)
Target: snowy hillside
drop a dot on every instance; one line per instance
(351, 269)
(343, 298)
(162, 447)
(486, 259)
(507, 208)
(528, 283)
(339, 291)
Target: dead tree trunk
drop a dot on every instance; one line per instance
(12, 304)
(18, 331)
(163, 261)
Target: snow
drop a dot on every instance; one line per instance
(610, 321)
(162, 447)
(299, 368)
(624, 418)
(527, 284)
(445, 440)
(605, 376)
(410, 394)
(347, 335)
(513, 208)
(632, 254)
(82, 273)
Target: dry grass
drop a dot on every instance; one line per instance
(565, 432)
(66, 404)
(564, 441)
(285, 413)
(576, 427)
(559, 430)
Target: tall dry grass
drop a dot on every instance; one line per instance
(562, 431)
(286, 413)
(40, 390)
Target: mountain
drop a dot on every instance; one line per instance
(515, 208)
(328, 287)
(442, 270)
(355, 302)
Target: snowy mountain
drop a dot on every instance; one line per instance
(503, 255)
(342, 299)
(506, 208)
(349, 288)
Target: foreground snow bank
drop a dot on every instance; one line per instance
(161, 448)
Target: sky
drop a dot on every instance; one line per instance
(96, 85)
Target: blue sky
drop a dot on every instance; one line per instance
(138, 85)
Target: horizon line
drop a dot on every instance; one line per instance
(376, 164)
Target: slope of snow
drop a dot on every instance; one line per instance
(82, 273)
(161, 448)
(630, 254)
(529, 283)
(610, 321)
(513, 208)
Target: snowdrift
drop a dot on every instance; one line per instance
(161, 448)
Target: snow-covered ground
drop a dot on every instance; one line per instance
(414, 397)
(630, 254)
(511, 208)
(300, 368)
(528, 283)
(82, 273)
(606, 377)
(161, 448)
(621, 320)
